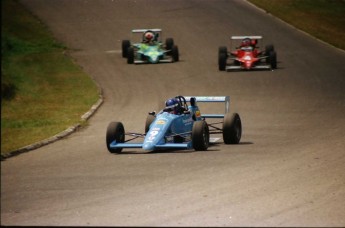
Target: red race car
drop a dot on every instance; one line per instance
(247, 55)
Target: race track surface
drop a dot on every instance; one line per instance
(288, 169)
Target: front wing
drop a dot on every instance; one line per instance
(127, 144)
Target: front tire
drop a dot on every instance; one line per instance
(130, 55)
(232, 128)
(175, 53)
(272, 58)
(200, 135)
(115, 132)
(125, 45)
(222, 61)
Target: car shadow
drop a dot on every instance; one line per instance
(212, 147)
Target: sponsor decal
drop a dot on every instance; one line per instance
(160, 122)
(152, 135)
(197, 113)
(187, 121)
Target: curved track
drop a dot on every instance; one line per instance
(287, 171)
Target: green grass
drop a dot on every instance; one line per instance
(43, 92)
(323, 19)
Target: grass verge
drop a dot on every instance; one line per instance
(323, 19)
(43, 92)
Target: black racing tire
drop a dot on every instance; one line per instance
(232, 128)
(175, 53)
(222, 49)
(200, 135)
(169, 43)
(125, 45)
(130, 55)
(272, 58)
(115, 131)
(222, 61)
(149, 120)
(269, 48)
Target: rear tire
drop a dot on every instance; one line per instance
(115, 132)
(269, 48)
(130, 55)
(232, 128)
(200, 135)
(169, 43)
(125, 45)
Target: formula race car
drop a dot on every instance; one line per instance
(247, 54)
(150, 48)
(178, 126)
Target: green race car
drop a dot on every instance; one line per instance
(150, 49)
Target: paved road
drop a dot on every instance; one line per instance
(287, 171)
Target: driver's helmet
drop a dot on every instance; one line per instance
(148, 37)
(172, 105)
(254, 42)
(246, 42)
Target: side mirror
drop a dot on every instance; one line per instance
(152, 113)
(192, 101)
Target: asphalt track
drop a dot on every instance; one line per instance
(288, 169)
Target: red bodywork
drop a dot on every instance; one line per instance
(246, 57)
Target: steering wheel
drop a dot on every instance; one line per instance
(182, 102)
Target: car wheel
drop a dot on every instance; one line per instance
(149, 120)
(130, 55)
(222, 49)
(232, 128)
(169, 43)
(269, 48)
(273, 59)
(222, 61)
(115, 131)
(174, 53)
(200, 135)
(125, 45)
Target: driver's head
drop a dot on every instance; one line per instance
(149, 36)
(172, 105)
(245, 42)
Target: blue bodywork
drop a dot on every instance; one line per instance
(170, 130)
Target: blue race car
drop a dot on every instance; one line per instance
(150, 49)
(178, 126)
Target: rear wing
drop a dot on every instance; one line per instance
(144, 30)
(243, 37)
(220, 99)
(158, 31)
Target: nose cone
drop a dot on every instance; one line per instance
(248, 64)
(148, 146)
(154, 58)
